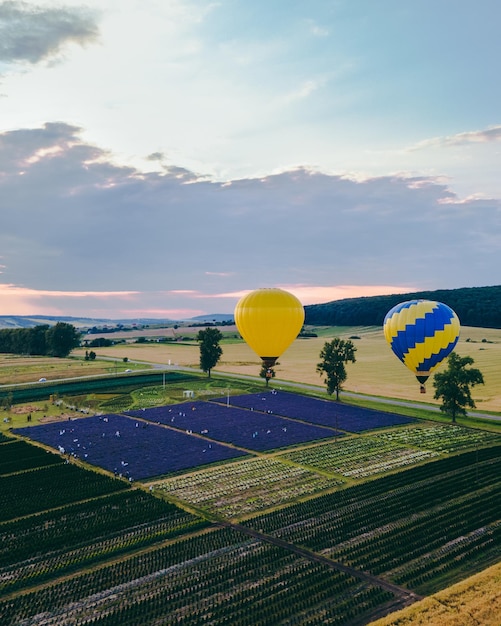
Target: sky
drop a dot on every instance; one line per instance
(161, 158)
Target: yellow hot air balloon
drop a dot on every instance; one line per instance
(269, 320)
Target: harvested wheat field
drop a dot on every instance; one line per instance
(376, 371)
(472, 602)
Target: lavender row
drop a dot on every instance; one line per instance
(128, 447)
(316, 411)
(248, 429)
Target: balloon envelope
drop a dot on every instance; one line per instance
(421, 333)
(269, 320)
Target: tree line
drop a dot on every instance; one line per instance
(475, 306)
(43, 340)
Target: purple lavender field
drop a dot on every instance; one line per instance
(326, 412)
(248, 429)
(129, 447)
(136, 446)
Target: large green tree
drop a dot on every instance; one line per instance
(335, 354)
(453, 385)
(61, 339)
(210, 350)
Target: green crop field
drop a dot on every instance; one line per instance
(16, 369)
(246, 487)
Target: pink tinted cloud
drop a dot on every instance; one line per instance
(315, 294)
(162, 314)
(173, 305)
(15, 300)
(309, 294)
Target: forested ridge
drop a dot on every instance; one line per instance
(475, 306)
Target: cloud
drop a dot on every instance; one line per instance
(18, 300)
(317, 294)
(491, 134)
(212, 273)
(317, 30)
(303, 91)
(31, 34)
(75, 220)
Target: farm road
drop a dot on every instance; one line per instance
(405, 596)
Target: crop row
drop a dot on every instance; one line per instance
(394, 525)
(198, 434)
(54, 564)
(462, 469)
(317, 411)
(375, 454)
(358, 458)
(116, 384)
(363, 516)
(48, 487)
(25, 540)
(404, 526)
(124, 572)
(412, 535)
(130, 447)
(18, 456)
(118, 404)
(479, 542)
(252, 430)
(445, 439)
(219, 577)
(307, 603)
(245, 486)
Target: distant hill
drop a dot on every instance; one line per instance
(475, 306)
(218, 318)
(29, 321)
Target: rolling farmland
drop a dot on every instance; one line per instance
(354, 516)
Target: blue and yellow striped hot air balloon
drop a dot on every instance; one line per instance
(421, 333)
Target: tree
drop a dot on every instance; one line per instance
(210, 350)
(61, 339)
(453, 385)
(99, 342)
(334, 355)
(267, 372)
(7, 401)
(37, 340)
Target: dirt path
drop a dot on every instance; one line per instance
(405, 596)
